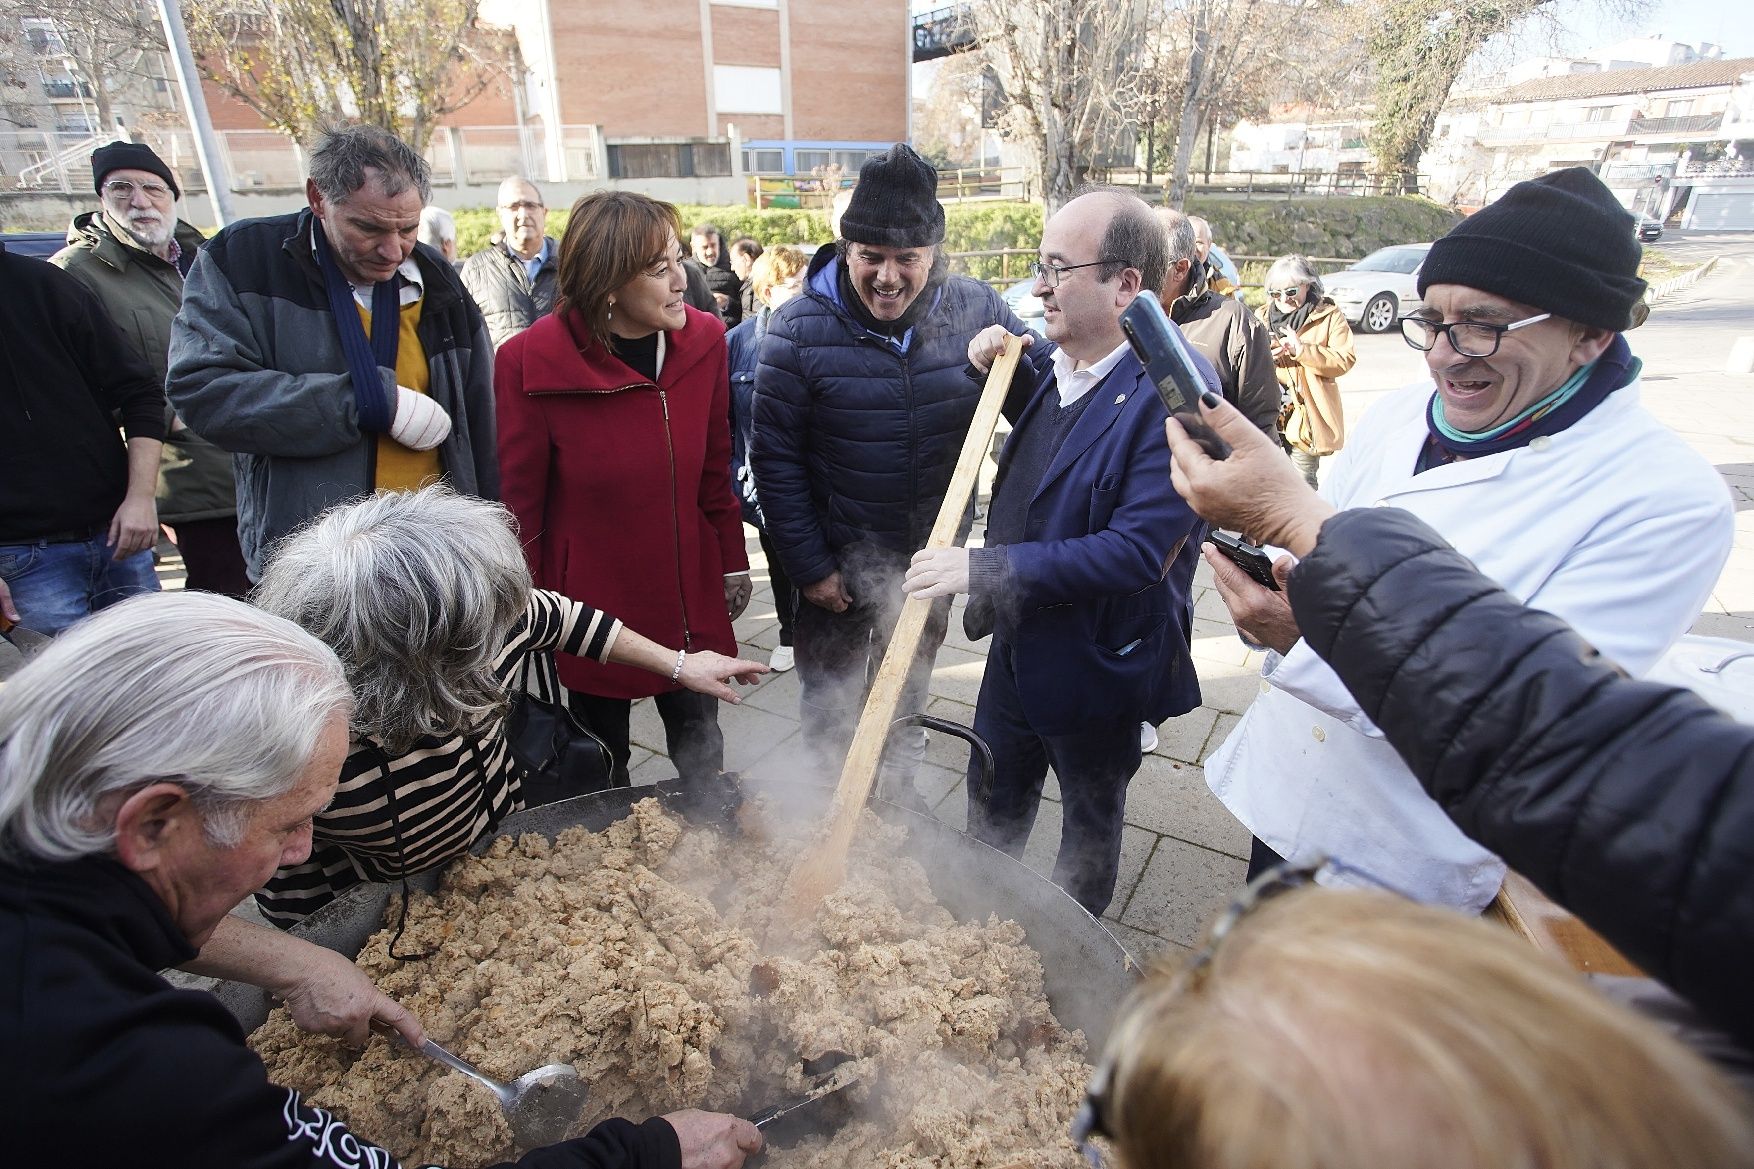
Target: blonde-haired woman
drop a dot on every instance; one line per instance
(1312, 348)
(1331, 1029)
(776, 276)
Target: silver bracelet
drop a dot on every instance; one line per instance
(681, 656)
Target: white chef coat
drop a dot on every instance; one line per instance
(1613, 524)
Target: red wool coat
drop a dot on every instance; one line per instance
(622, 488)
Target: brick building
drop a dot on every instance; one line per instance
(680, 98)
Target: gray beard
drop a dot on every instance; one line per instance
(158, 238)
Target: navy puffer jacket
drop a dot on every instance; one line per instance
(855, 436)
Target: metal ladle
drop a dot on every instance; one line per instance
(540, 1106)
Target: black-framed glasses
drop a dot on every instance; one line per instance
(123, 190)
(1050, 274)
(1096, 1112)
(1468, 338)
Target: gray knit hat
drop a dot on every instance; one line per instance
(896, 203)
(1562, 243)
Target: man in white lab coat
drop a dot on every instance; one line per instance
(1529, 451)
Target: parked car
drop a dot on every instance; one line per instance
(1649, 229)
(40, 244)
(1026, 304)
(1223, 263)
(1381, 288)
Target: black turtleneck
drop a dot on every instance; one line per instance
(639, 354)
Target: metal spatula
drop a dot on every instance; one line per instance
(541, 1106)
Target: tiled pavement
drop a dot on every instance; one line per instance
(1182, 853)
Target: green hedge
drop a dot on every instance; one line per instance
(1345, 227)
(968, 228)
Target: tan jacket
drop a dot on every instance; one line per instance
(1314, 422)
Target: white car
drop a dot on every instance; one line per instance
(1380, 289)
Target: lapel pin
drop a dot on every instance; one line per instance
(1119, 398)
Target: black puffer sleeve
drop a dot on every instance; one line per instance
(1629, 803)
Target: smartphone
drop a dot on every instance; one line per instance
(1246, 556)
(1171, 367)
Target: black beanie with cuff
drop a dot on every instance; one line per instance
(130, 156)
(1561, 243)
(896, 203)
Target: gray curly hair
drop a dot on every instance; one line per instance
(416, 592)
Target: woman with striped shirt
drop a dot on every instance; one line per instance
(426, 598)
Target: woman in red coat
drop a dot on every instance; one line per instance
(615, 456)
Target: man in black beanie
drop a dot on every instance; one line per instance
(861, 404)
(1529, 451)
(133, 253)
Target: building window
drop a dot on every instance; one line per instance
(1680, 109)
(43, 37)
(764, 161)
(668, 160)
(848, 160)
(1599, 114)
(746, 89)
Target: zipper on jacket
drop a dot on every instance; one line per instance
(676, 521)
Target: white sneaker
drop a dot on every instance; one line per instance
(781, 659)
(1147, 738)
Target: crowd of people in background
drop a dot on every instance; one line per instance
(398, 480)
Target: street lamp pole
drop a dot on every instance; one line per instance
(195, 106)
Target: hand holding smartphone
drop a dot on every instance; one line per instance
(1246, 556)
(1171, 367)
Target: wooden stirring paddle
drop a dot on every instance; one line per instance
(824, 867)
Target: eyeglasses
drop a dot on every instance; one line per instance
(123, 190)
(522, 205)
(1094, 1115)
(1050, 274)
(1467, 338)
(1281, 292)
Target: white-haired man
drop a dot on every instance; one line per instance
(157, 763)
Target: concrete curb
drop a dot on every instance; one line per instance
(1669, 287)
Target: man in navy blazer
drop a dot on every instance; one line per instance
(1086, 576)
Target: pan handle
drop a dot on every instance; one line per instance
(977, 747)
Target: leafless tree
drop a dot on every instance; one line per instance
(103, 44)
(1224, 57)
(399, 64)
(1068, 70)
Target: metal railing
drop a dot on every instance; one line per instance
(1718, 168)
(1551, 131)
(1687, 124)
(267, 160)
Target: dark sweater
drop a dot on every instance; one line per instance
(107, 1064)
(66, 372)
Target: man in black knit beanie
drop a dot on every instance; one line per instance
(861, 405)
(1529, 451)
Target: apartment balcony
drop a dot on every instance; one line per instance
(1723, 168)
(1691, 124)
(1555, 132)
